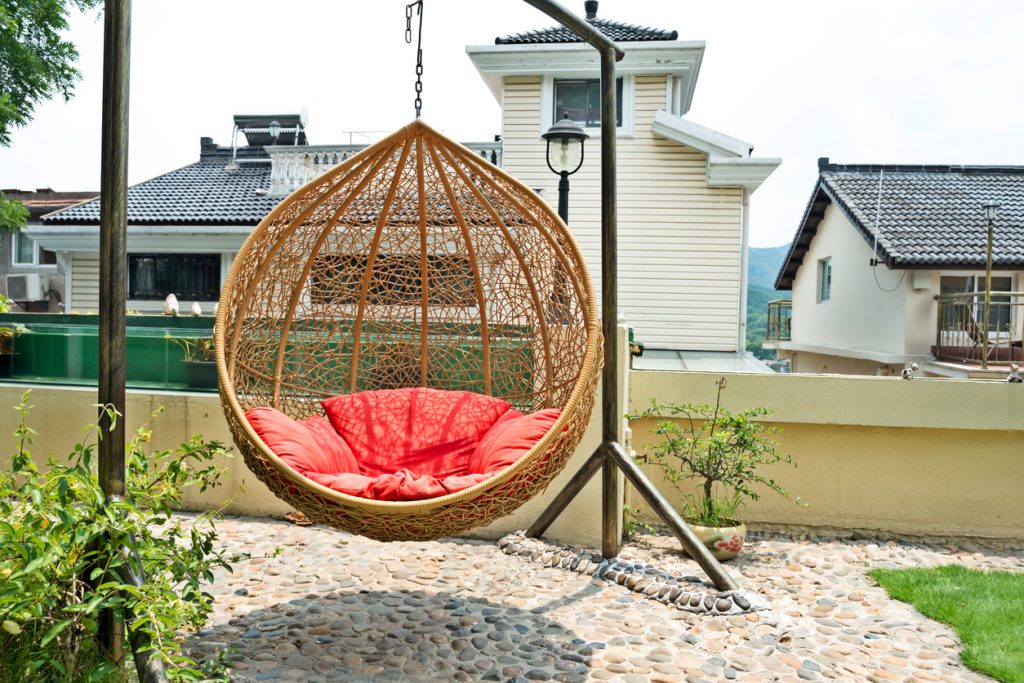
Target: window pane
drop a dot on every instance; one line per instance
(24, 249)
(580, 100)
(190, 277)
(47, 257)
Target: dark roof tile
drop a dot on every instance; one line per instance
(616, 30)
(927, 216)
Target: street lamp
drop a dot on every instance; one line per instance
(566, 157)
(991, 210)
(274, 129)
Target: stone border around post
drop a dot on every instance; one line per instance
(687, 593)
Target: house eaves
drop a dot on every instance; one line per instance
(729, 161)
(671, 58)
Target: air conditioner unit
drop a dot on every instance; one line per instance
(26, 287)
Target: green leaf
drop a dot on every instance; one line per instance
(55, 631)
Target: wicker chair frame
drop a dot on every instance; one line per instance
(413, 263)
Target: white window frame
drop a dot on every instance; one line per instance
(15, 236)
(979, 286)
(824, 280)
(547, 103)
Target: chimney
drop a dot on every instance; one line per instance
(590, 7)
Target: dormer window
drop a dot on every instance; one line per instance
(580, 100)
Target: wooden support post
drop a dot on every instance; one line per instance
(113, 236)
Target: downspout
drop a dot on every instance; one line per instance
(741, 337)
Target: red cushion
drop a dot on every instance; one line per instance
(510, 439)
(425, 431)
(400, 485)
(299, 444)
(339, 456)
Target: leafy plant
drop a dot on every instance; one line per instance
(634, 524)
(8, 332)
(67, 556)
(723, 450)
(194, 348)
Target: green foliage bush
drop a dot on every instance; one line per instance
(724, 451)
(65, 554)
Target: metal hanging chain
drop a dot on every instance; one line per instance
(419, 48)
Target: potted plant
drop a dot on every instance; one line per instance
(198, 358)
(723, 451)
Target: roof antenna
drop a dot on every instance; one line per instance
(878, 213)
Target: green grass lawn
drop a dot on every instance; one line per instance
(985, 608)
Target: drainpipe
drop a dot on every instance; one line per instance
(741, 336)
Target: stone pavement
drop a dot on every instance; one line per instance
(334, 607)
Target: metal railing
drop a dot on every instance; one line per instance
(780, 314)
(960, 333)
(291, 166)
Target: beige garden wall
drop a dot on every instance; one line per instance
(60, 413)
(920, 457)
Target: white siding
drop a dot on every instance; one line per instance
(679, 241)
(85, 281)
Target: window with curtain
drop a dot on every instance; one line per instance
(190, 277)
(999, 310)
(580, 99)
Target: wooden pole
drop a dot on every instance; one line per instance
(113, 235)
(611, 415)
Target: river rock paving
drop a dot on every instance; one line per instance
(314, 604)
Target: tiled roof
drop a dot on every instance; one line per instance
(616, 30)
(928, 216)
(203, 193)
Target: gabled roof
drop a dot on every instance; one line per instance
(203, 193)
(928, 216)
(616, 30)
(44, 200)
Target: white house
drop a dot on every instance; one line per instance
(683, 189)
(888, 269)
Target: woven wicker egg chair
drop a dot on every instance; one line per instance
(413, 263)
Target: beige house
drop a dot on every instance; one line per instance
(683, 189)
(888, 269)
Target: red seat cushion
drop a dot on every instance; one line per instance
(307, 446)
(510, 439)
(425, 431)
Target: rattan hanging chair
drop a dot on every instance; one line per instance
(413, 263)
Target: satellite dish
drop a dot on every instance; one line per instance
(304, 117)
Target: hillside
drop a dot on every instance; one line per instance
(763, 265)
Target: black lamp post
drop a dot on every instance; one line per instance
(991, 210)
(568, 157)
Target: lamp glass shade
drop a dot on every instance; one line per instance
(274, 129)
(564, 154)
(991, 210)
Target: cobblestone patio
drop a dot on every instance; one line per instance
(336, 607)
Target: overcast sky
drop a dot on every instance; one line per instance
(860, 82)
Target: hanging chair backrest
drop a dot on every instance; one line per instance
(413, 263)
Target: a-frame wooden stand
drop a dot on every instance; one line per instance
(610, 457)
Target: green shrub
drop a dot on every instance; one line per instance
(63, 551)
(722, 450)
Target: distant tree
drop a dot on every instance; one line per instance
(36, 64)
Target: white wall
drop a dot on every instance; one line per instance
(679, 241)
(860, 316)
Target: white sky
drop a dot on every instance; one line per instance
(922, 81)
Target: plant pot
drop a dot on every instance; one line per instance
(723, 542)
(200, 374)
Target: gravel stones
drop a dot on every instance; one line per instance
(411, 612)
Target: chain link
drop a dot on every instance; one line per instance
(419, 49)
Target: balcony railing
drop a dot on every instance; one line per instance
(779, 315)
(291, 167)
(960, 333)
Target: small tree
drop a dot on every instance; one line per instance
(721, 449)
